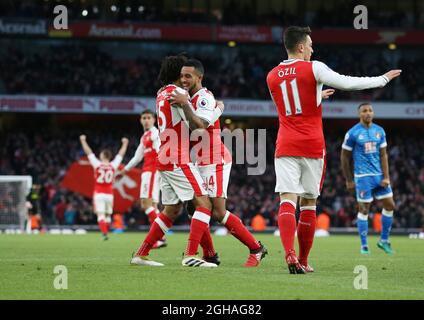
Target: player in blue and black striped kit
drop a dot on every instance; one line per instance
(366, 144)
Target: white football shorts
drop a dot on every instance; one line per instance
(300, 175)
(215, 179)
(103, 203)
(150, 185)
(181, 184)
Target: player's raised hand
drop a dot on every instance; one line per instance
(393, 74)
(350, 186)
(179, 97)
(83, 137)
(125, 140)
(325, 94)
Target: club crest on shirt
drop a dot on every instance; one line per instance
(360, 137)
(378, 135)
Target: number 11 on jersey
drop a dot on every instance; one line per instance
(295, 95)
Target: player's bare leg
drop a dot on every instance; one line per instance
(386, 221)
(157, 230)
(198, 227)
(150, 209)
(306, 231)
(362, 223)
(239, 231)
(287, 227)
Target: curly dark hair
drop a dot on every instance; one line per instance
(170, 69)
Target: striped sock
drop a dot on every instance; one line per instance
(151, 214)
(199, 225)
(363, 228)
(158, 228)
(386, 224)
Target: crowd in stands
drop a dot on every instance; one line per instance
(337, 14)
(46, 156)
(88, 69)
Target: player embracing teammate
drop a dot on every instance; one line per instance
(296, 87)
(212, 157)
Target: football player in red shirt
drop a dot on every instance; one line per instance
(148, 150)
(104, 176)
(212, 158)
(295, 86)
(180, 179)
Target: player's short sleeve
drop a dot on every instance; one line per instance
(93, 160)
(205, 107)
(349, 141)
(116, 161)
(383, 141)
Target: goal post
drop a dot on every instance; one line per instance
(13, 196)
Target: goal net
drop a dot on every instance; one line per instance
(13, 194)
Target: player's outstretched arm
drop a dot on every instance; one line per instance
(85, 146)
(323, 74)
(180, 98)
(136, 159)
(347, 172)
(124, 147)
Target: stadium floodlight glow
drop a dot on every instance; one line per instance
(95, 9)
(141, 9)
(232, 44)
(392, 46)
(128, 9)
(84, 13)
(113, 8)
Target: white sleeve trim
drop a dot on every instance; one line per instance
(138, 156)
(346, 147)
(116, 161)
(323, 74)
(93, 160)
(383, 145)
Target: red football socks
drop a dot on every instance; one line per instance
(306, 232)
(103, 225)
(207, 244)
(239, 231)
(199, 225)
(156, 232)
(287, 224)
(151, 214)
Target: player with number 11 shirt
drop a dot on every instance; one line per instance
(296, 88)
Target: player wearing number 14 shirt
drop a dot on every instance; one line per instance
(296, 88)
(104, 175)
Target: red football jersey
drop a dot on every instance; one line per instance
(104, 174)
(174, 133)
(294, 89)
(203, 102)
(150, 141)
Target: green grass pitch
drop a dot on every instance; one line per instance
(101, 270)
